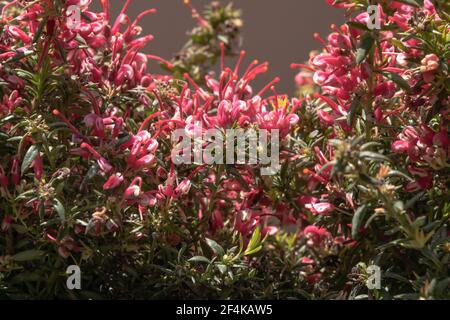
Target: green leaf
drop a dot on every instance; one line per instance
(60, 210)
(253, 251)
(366, 44)
(373, 156)
(238, 176)
(39, 30)
(28, 255)
(215, 247)
(29, 158)
(222, 268)
(199, 259)
(353, 110)
(402, 83)
(358, 25)
(393, 173)
(255, 243)
(357, 220)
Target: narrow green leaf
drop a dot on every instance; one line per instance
(354, 107)
(222, 268)
(373, 156)
(402, 83)
(255, 242)
(357, 220)
(39, 30)
(29, 158)
(215, 247)
(366, 44)
(199, 259)
(393, 173)
(28, 255)
(253, 251)
(60, 210)
(358, 25)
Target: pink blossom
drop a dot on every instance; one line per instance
(113, 181)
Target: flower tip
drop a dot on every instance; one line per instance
(56, 112)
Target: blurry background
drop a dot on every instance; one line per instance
(278, 31)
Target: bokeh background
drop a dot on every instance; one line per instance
(278, 31)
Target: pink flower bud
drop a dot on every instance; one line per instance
(400, 146)
(183, 188)
(6, 223)
(320, 208)
(38, 167)
(114, 181)
(15, 173)
(145, 161)
(104, 165)
(134, 190)
(19, 34)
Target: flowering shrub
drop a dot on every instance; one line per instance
(87, 177)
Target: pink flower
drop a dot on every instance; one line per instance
(134, 189)
(113, 181)
(15, 171)
(182, 188)
(423, 181)
(316, 236)
(6, 222)
(144, 161)
(38, 167)
(429, 63)
(19, 34)
(216, 220)
(147, 199)
(429, 66)
(322, 208)
(400, 146)
(245, 221)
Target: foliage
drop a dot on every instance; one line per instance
(86, 175)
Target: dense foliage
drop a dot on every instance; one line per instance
(86, 176)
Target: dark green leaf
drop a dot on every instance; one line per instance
(366, 44)
(357, 220)
(358, 25)
(402, 83)
(28, 255)
(353, 111)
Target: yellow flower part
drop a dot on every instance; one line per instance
(282, 103)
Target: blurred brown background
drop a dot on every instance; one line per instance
(278, 31)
